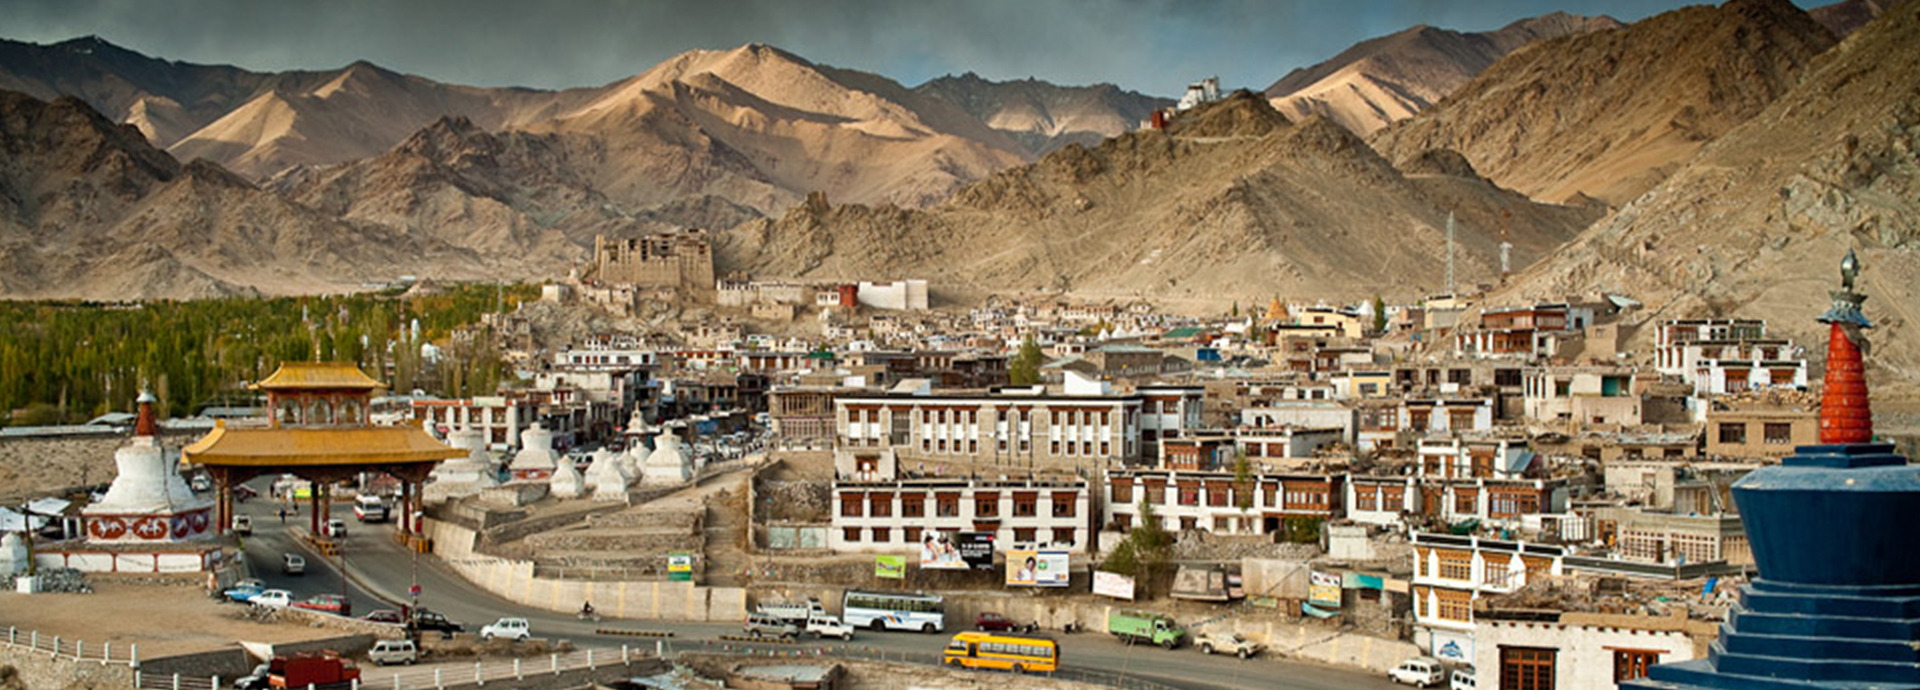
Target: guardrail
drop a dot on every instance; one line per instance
(74, 649)
(437, 676)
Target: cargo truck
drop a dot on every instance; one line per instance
(1145, 626)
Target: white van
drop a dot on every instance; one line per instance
(369, 508)
(393, 652)
(1420, 672)
(1462, 679)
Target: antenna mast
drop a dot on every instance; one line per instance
(1450, 253)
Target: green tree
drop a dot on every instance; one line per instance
(1379, 314)
(1242, 482)
(1024, 370)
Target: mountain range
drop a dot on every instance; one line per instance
(1697, 160)
(1383, 80)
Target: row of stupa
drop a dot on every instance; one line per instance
(607, 478)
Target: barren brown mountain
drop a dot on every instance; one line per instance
(93, 211)
(1233, 200)
(1042, 116)
(1757, 223)
(1384, 80)
(1608, 114)
(1842, 18)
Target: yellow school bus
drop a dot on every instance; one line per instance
(1017, 653)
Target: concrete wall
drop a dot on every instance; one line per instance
(41, 670)
(515, 580)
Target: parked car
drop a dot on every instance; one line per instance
(384, 616)
(293, 564)
(243, 492)
(273, 599)
(425, 620)
(1228, 643)
(829, 626)
(335, 528)
(510, 628)
(330, 603)
(994, 622)
(1420, 672)
(243, 525)
(369, 508)
(244, 590)
(201, 482)
(763, 625)
(1463, 679)
(393, 652)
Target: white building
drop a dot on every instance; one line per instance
(892, 515)
(1581, 651)
(1450, 572)
(1581, 395)
(898, 295)
(1211, 501)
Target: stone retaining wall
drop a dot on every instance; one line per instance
(41, 670)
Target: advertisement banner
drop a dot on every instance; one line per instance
(1323, 589)
(1036, 568)
(1113, 585)
(956, 550)
(679, 566)
(890, 567)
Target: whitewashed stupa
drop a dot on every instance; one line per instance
(668, 463)
(149, 501)
(536, 459)
(608, 476)
(466, 475)
(566, 481)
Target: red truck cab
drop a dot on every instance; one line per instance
(302, 670)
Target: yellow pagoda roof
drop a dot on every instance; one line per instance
(318, 376)
(374, 445)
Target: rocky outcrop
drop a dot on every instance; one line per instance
(1045, 117)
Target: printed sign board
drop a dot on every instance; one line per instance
(890, 567)
(1113, 585)
(1323, 589)
(679, 566)
(956, 550)
(1036, 568)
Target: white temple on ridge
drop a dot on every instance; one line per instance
(149, 501)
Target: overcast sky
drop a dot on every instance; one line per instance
(1154, 46)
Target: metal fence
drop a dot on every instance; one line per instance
(452, 674)
(1109, 678)
(73, 649)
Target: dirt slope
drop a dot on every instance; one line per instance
(1232, 201)
(1757, 223)
(1044, 117)
(1608, 114)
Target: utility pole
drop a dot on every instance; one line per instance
(1450, 252)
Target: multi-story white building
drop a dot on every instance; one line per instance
(1582, 395)
(1450, 572)
(879, 509)
(1383, 501)
(1380, 423)
(1456, 458)
(1721, 356)
(1212, 501)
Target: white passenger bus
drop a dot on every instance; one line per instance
(885, 611)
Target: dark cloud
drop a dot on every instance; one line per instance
(1154, 46)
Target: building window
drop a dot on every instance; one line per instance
(1367, 498)
(1464, 501)
(1025, 505)
(912, 534)
(1123, 491)
(881, 505)
(1062, 536)
(1105, 449)
(1053, 448)
(1187, 524)
(1156, 493)
(1456, 566)
(1629, 664)
(1217, 496)
(1733, 432)
(1064, 504)
(852, 534)
(1778, 432)
(1456, 606)
(1189, 494)
(850, 505)
(882, 535)
(1023, 535)
(913, 505)
(986, 506)
(1526, 668)
(973, 447)
(947, 506)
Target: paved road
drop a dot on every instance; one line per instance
(382, 570)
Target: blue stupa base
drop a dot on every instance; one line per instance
(1838, 601)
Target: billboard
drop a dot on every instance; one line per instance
(679, 566)
(1036, 568)
(956, 550)
(1323, 589)
(890, 567)
(1113, 585)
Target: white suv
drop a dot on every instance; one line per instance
(273, 599)
(510, 628)
(829, 626)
